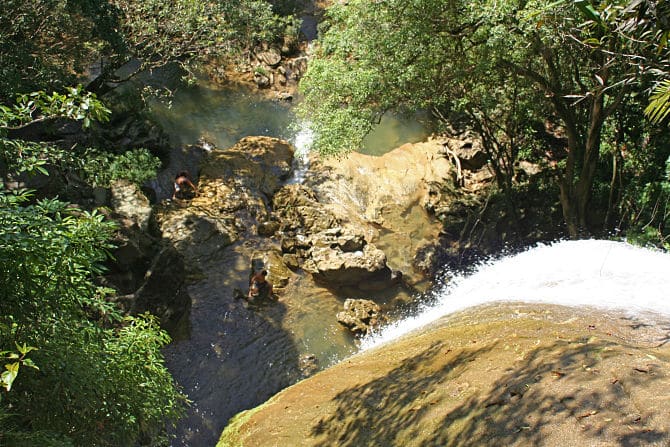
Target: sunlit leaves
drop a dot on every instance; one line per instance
(75, 104)
(659, 103)
(17, 359)
(100, 168)
(373, 57)
(101, 381)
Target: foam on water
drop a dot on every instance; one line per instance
(603, 274)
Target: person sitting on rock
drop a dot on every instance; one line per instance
(259, 287)
(183, 186)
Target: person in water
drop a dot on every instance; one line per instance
(259, 287)
(183, 186)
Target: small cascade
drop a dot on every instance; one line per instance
(601, 274)
(302, 141)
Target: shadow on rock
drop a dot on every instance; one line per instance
(561, 394)
(375, 413)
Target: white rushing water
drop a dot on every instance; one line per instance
(302, 141)
(602, 274)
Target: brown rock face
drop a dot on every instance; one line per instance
(513, 375)
(384, 197)
(235, 187)
(335, 255)
(333, 265)
(300, 211)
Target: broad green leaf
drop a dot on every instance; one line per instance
(7, 377)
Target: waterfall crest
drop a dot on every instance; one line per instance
(601, 274)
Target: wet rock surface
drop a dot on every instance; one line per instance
(384, 199)
(360, 316)
(129, 202)
(340, 258)
(235, 187)
(509, 374)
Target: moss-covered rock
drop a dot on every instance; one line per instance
(512, 375)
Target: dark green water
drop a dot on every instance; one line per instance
(222, 116)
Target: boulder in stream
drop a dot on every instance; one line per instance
(235, 187)
(342, 257)
(359, 316)
(300, 211)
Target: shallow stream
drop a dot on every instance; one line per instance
(230, 358)
(224, 115)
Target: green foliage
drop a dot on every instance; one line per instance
(14, 435)
(26, 156)
(52, 43)
(106, 380)
(373, 57)
(21, 156)
(645, 205)
(659, 104)
(508, 66)
(100, 168)
(17, 358)
(97, 167)
(75, 104)
(49, 43)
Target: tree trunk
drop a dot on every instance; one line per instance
(570, 209)
(575, 195)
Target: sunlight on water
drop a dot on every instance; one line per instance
(222, 116)
(603, 274)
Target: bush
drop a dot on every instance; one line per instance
(101, 379)
(101, 168)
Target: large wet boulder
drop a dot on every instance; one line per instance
(384, 197)
(338, 256)
(300, 211)
(254, 163)
(502, 375)
(341, 257)
(235, 187)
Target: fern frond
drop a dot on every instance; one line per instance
(659, 103)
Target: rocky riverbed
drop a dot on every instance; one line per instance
(320, 246)
(365, 235)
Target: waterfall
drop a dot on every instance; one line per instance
(602, 274)
(302, 141)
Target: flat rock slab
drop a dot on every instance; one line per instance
(500, 375)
